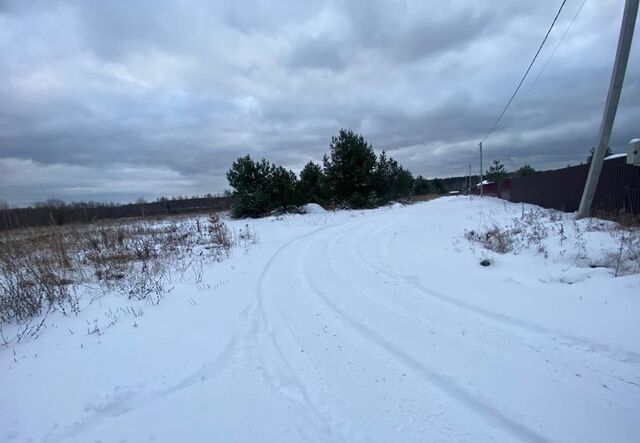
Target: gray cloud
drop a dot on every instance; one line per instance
(115, 100)
(318, 53)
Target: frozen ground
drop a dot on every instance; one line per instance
(352, 326)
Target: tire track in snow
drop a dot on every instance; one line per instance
(452, 386)
(125, 399)
(446, 384)
(293, 249)
(577, 344)
(494, 338)
(261, 323)
(128, 398)
(278, 372)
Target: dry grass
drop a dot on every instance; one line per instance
(622, 218)
(43, 269)
(538, 228)
(423, 198)
(528, 230)
(494, 239)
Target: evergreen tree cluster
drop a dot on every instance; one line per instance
(497, 171)
(261, 187)
(351, 175)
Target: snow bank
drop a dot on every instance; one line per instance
(313, 208)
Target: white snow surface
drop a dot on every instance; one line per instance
(313, 208)
(365, 326)
(614, 156)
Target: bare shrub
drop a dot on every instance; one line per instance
(145, 282)
(42, 269)
(36, 273)
(621, 218)
(534, 227)
(626, 260)
(494, 239)
(527, 231)
(247, 236)
(220, 237)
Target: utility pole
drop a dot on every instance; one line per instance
(611, 106)
(469, 181)
(481, 176)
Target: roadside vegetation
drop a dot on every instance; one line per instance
(559, 236)
(65, 268)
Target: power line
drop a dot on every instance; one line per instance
(527, 71)
(564, 34)
(544, 67)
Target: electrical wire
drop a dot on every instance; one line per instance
(526, 72)
(544, 67)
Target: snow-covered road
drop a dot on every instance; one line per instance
(355, 326)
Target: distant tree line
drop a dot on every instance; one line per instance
(351, 175)
(56, 212)
(495, 172)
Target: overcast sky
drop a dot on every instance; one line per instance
(112, 100)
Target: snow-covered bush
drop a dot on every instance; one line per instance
(525, 231)
(494, 239)
(625, 259)
(220, 237)
(246, 236)
(588, 243)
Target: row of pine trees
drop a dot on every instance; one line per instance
(351, 175)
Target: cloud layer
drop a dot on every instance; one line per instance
(115, 100)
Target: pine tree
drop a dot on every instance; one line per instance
(421, 186)
(391, 180)
(350, 170)
(496, 171)
(437, 186)
(261, 187)
(313, 184)
(524, 170)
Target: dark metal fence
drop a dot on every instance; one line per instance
(32, 217)
(618, 188)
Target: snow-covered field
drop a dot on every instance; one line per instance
(364, 326)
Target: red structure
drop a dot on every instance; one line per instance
(500, 188)
(618, 188)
